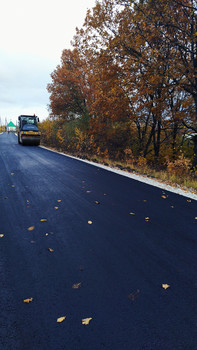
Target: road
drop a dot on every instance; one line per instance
(84, 243)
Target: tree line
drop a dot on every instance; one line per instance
(128, 86)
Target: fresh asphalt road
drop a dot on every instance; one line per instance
(111, 270)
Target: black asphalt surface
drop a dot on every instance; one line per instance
(110, 270)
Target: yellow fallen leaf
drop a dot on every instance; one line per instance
(90, 222)
(61, 319)
(51, 250)
(55, 208)
(27, 201)
(31, 228)
(76, 285)
(59, 200)
(195, 218)
(164, 197)
(165, 286)
(43, 219)
(97, 202)
(88, 191)
(28, 300)
(1, 236)
(46, 234)
(86, 321)
(132, 213)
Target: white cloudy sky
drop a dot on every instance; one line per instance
(33, 35)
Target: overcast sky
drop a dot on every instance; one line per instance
(33, 35)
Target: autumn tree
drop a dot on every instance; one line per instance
(68, 89)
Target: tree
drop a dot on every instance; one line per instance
(68, 90)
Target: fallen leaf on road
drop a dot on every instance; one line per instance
(1, 236)
(76, 285)
(51, 250)
(164, 197)
(195, 218)
(31, 228)
(189, 200)
(165, 286)
(133, 296)
(147, 219)
(28, 300)
(88, 191)
(59, 200)
(43, 219)
(132, 213)
(97, 202)
(90, 222)
(172, 206)
(61, 319)
(46, 234)
(86, 321)
(56, 208)
(12, 174)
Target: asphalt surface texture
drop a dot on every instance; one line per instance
(112, 259)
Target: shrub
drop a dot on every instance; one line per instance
(179, 167)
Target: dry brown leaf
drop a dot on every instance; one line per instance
(165, 286)
(51, 250)
(59, 200)
(132, 213)
(86, 321)
(172, 206)
(76, 285)
(133, 296)
(189, 200)
(31, 228)
(61, 319)
(43, 219)
(28, 300)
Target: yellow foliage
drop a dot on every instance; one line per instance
(59, 136)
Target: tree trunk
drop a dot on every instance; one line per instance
(195, 151)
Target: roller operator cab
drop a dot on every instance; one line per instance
(28, 133)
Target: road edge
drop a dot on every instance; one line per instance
(140, 178)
